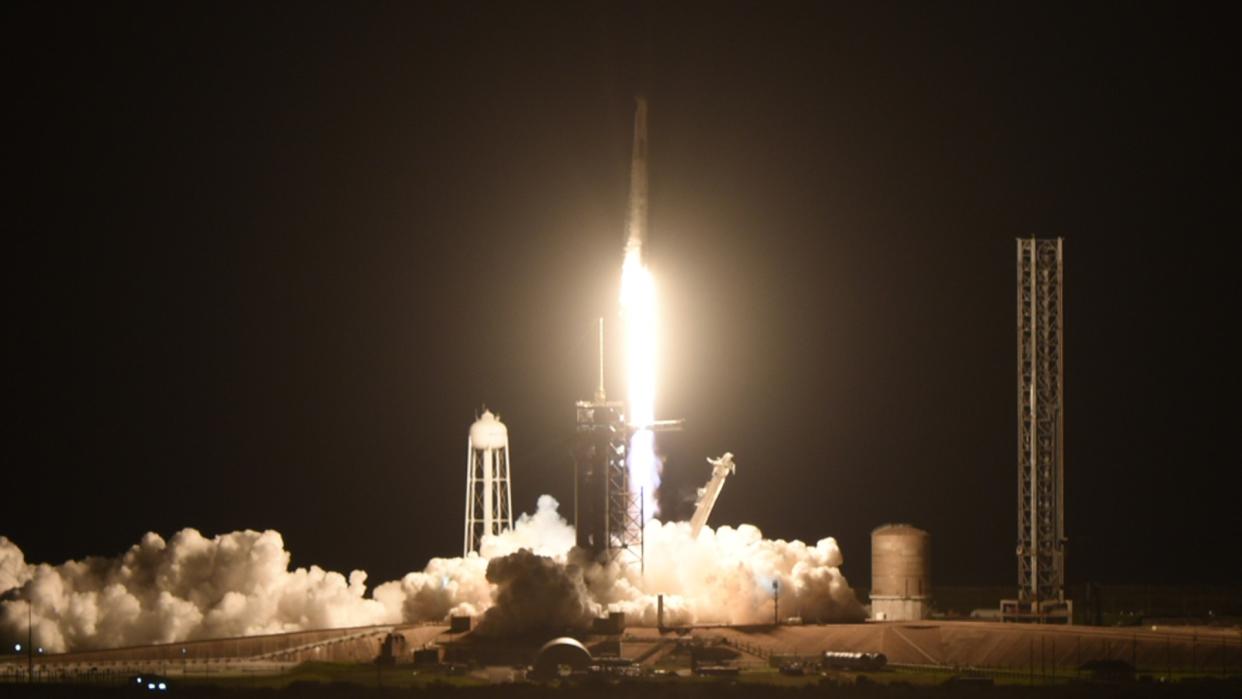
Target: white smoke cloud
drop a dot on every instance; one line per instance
(13, 568)
(184, 588)
(726, 576)
(192, 587)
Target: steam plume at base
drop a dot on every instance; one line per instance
(525, 580)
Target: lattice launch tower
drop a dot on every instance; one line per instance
(1041, 426)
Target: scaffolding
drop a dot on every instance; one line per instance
(1040, 453)
(607, 516)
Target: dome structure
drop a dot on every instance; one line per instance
(558, 655)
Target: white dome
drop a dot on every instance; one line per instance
(488, 432)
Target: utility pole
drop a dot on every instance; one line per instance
(776, 603)
(30, 638)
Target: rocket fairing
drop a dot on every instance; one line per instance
(636, 223)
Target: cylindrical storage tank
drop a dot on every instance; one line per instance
(488, 432)
(900, 573)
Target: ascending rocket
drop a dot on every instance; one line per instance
(636, 225)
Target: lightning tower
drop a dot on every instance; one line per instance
(1041, 465)
(489, 504)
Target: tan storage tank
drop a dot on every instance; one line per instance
(900, 573)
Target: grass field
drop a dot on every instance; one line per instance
(332, 680)
(361, 675)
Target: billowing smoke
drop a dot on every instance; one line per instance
(459, 586)
(535, 593)
(726, 576)
(186, 587)
(528, 579)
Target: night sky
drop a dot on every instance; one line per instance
(266, 262)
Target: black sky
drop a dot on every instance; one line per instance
(266, 261)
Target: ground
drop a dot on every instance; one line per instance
(1014, 658)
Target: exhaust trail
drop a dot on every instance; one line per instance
(639, 313)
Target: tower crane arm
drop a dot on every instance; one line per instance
(721, 468)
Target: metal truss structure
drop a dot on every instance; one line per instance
(625, 516)
(489, 501)
(607, 516)
(1041, 466)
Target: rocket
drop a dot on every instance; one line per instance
(636, 221)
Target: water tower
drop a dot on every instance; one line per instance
(489, 505)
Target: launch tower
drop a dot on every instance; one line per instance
(608, 514)
(489, 504)
(608, 520)
(1041, 467)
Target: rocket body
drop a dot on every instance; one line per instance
(636, 222)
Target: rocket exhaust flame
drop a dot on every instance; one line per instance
(639, 312)
(638, 308)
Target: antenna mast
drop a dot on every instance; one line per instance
(599, 392)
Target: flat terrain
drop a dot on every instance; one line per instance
(926, 652)
(967, 644)
(706, 689)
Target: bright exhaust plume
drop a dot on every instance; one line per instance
(640, 318)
